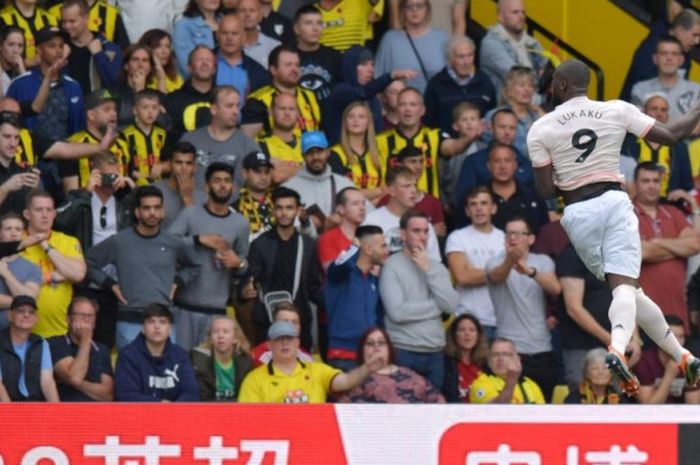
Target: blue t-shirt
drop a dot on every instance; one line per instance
(24, 270)
(21, 351)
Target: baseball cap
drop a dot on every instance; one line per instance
(45, 34)
(313, 139)
(408, 152)
(280, 329)
(22, 300)
(97, 98)
(255, 160)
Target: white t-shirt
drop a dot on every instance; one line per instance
(583, 138)
(389, 223)
(478, 248)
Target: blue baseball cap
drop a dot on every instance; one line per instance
(280, 329)
(313, 139)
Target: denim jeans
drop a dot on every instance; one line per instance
(429, 364)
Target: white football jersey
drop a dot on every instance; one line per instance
(582, 139)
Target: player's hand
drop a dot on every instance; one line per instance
(156, 171)
(15, 183)
(514, 254)
(173, 290)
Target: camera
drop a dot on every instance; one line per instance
(108, 179)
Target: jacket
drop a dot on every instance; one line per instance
(25, 87)
(443, 94)
(203, 364)
(141, 377)
(12, 367)
(106, 65)
(188, 108)
(319, 189)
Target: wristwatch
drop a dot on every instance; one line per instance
(533, 273)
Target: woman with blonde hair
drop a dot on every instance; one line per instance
(356, 156)
(222, 361)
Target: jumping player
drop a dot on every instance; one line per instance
(575, 151)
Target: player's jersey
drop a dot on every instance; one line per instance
(582, 140)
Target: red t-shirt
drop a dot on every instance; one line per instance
(467, 375)
(331, 244)
(429, 205)
(261, 354)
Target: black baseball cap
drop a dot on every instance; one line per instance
(257, 159)
(45, 34)
(22, 300)
(97, 98)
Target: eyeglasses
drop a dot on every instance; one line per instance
(376, 343)
(84, 316)
(517, 233)
(415, 6)
(103, 217)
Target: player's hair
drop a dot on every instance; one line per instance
(647, 166)
(241, 343)
(480, 351)
(128, 53)
(276, 96)
(285, 193)
(274, 58)
(368, 230)
(370, 139)
(103, 158)
(219, 91)
(499, 145)
(151, 39)
(197, 48)
(284, 307)
(478, 190)
(409, 215)
(671, 320)
(514, 75)
(341, 197)
(397, 172)
(686, 19)
(402, 8)
(306, 10)
(462, 108)
(500, 339)
(185, 148)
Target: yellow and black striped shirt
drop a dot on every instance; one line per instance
(103, 18)
(364, 174)
(11, 16)
(427, 140)
(25, 156)
(258, 213)
(280, 149)
(346, 23)
(145, 151)
(81, 167)
(257, 109)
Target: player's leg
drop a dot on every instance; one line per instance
(622, 314)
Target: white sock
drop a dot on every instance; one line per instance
(652, 321)
(622, 315)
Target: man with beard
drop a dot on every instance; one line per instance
(150, 264)
(220, 237)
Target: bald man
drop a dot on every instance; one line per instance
(575, 151)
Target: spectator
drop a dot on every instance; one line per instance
(503, 383)
(284, 264)
(390, 384)
(410, 131)
(517, 95)
(317, 185)
(468, 250)
(164, 263)
(139, 17)
(286, 379)
(389, 100)
(685, 27)
(352, 297)
(357, 84)
(197, 27)
(15, 180)
(284, 311)
(256, 44)
(507, 44)
(350, 207)
(61, 261)
(25, 357)
(283, 145)
(413, 46)
(189, 106)
(319, 64)
(222, 361)
(401, 184)
(233, 67)
(356, 155)
(661, 380)
(667, 242)
(596, 386)
(221, 140)
(31, 18)
(680, 93)
(284, 69)
(674, 160)
(519, 282)
(101, 116)
(11, 52)
(274, 24)
(179, 190)
(153, 369)
(287, 8)
(220, 237)
(457, 82)
(82, 365)
(466, 353)
(18, 276)
(147, 142)
(92, 215)
(475, 172)
(160, 43)
(104, 19)
(348, 22)
(94, 62)
(254, 200)
(416, 291)
(61, 113)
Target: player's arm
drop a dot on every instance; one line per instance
(541, 164)
(544, 182)
(675, 130)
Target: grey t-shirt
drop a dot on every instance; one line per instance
(172, 202)
(25, 271)
(681, 97)
(231, 151)
(520, 305)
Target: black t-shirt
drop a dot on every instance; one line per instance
(285, 263)
(278, 27)
(319, 71)
(78, 66)
(99, 364)
(596, 299)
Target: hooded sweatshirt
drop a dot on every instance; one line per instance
(318, 188)
(348, 91)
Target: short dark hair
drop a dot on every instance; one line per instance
(497, 145)
(285, 193)
(341, 197)
(274, 58)
(478, 190)
(146, 94)
(502, 111)
(363, 340)
(143, 192)
(196, 49)
(398, 172)
(11, 118)
(81, 4)
(37, 193)
(154, 310)
(647, 166)
(81, 298)
(668, 39)
(674, 320)
(409, 215)
(368, 230)
(183, 147)
(306, 10)
(286, 307)
(217, 166)
(218, 90)
(521, 218)
(686, 19)
(12, 216)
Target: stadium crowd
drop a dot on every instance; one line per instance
(297, 201)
